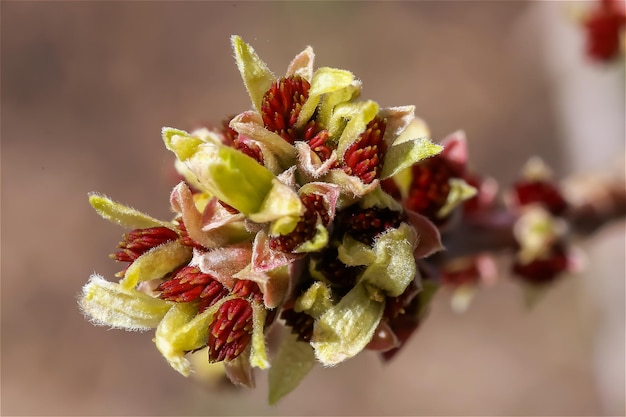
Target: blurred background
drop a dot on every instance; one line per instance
(86, 88)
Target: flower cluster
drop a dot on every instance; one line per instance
(540, 230)
(314, 212)
(605, 30)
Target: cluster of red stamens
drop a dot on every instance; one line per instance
(300, 323)
(404, 325)
(364, 157)
(430, 187)
(318, 140)
(395, 306)
(230, 331)
(543, 192)
(184, 236)
(247, 289)
(140, 241)
(339, 275)
(365, 225)
(306, 228)
(604, 26)
(282, 103)
(241, 143)
(546, 269)
(190, 284)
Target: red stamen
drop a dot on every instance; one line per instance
(247, 289)
(184, 236)
(318, 140)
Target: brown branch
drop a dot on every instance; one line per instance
(595, 202)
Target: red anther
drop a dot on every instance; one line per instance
(228, 208)
(211, 294)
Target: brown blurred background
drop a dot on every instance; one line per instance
(86, 88)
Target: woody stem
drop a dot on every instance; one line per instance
(493, 231)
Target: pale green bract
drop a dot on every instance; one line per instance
(346, 328)
(156, 263)
(256, 76)
(293, 361)
(183, 330)
(110, 304)
(123, 215)
(234, 178)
